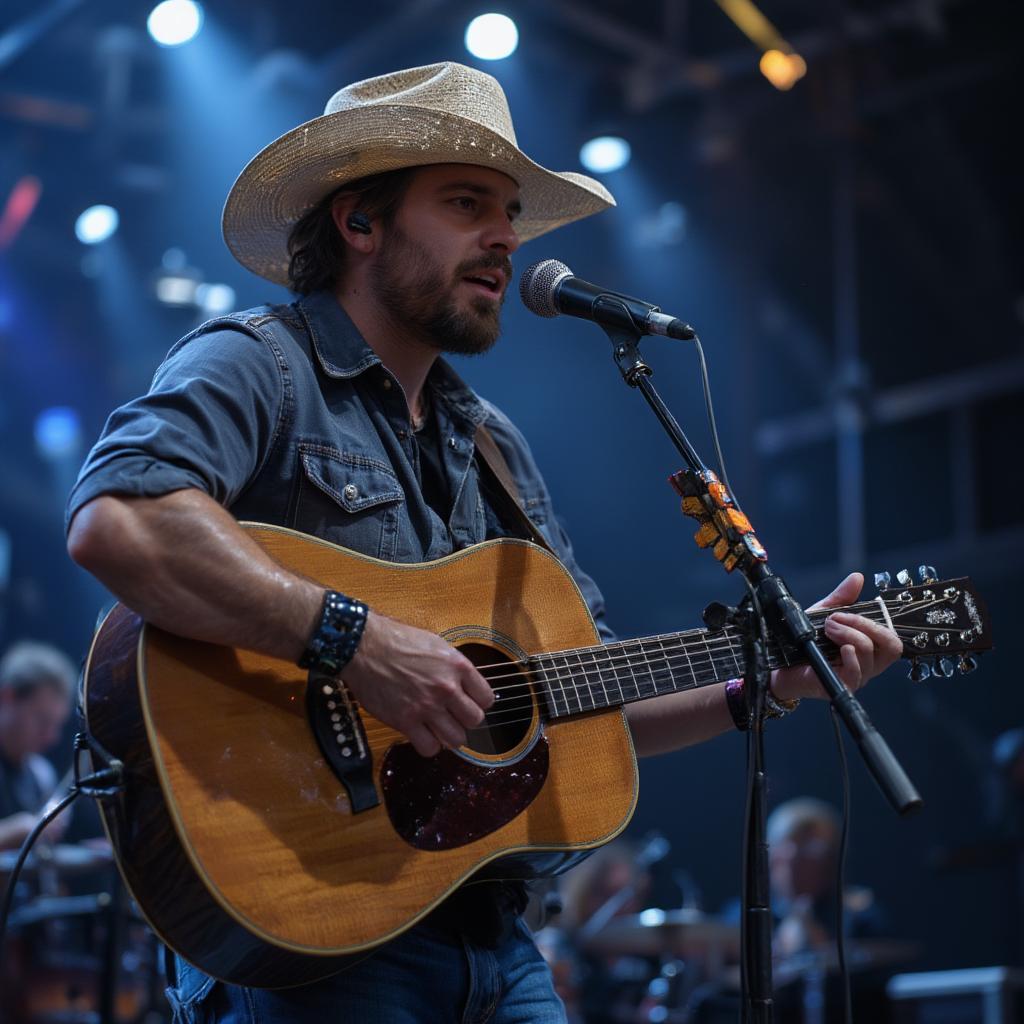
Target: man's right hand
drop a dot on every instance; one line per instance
(417, 683)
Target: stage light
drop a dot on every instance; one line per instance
(176, 289)
(783, 70)
(96, 224)
(174, 22)
(605, 154)
(214, 299)
(58, 432)
(492, 37)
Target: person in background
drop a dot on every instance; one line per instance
(36, 684)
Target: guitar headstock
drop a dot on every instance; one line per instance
(944, 620)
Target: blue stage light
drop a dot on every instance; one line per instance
(605, 154)
(58, 432)
(96, 224)
(174, 22)
(492, 37)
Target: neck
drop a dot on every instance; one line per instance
(406, 355)
(610, 675)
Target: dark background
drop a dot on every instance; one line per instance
(849, 251)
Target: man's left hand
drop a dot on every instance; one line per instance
(866, 648)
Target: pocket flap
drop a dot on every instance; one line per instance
(353, 480)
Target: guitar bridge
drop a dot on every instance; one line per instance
(334, 716)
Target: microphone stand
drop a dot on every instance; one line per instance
(728, 531)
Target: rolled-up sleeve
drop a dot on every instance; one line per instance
(209, 419)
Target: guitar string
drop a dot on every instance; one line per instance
(703, 675)
(725, 636)
(724, 644)
(666, 658)
(501, 717)
(626, 648)
(625, 651)
(537, 708)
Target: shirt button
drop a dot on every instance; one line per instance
(351, 492)
(387, 383)
(403, 434)
(453, 443)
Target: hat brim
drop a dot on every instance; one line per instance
(291, 175)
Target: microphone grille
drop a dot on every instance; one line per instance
(538, 285)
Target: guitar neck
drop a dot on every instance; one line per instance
(610, 675)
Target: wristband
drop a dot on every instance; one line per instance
(336, 635)
(776, 707)
(736, 699)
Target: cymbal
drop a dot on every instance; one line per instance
(66, 858)
(688, 934)
(861, 955)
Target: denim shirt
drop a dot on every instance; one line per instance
(285, 415)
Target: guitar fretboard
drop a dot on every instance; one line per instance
(609, 675)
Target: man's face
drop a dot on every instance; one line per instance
(443, 268)
(803, 864)
(33, 722)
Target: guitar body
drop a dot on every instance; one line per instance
(236, 837)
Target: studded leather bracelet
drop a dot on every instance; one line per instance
(336, 635)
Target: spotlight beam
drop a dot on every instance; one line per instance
(17, 39)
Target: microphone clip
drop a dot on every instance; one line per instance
(617, 322)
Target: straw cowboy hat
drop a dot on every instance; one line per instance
(441, 113)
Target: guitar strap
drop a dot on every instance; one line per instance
(506, 490)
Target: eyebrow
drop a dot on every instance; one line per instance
(514, 206)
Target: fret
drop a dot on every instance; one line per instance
(691, 675)
(582, 683)
(646, 683)
(551, 687)
(666, 668)
(569, 688)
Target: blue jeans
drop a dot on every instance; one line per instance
(428, 975)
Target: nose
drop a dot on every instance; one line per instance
(500, 235)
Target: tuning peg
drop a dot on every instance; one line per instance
(967, 664)
(903, 578)
(944, 667)
(919, 671)
(927, 574)
(882, 581)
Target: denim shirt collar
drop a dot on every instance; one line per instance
(343, 352)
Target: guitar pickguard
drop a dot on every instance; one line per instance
(444, 802)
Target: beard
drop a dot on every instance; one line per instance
(411, 284)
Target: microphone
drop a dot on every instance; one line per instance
(549, 287)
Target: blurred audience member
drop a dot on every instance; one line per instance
(36, 686)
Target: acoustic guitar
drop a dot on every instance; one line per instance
(269, 828)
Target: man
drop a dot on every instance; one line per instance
(394, 216)
(36, 684)
(803, 841)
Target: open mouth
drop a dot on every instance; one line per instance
(490, 283)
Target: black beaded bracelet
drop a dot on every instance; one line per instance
(334, 640)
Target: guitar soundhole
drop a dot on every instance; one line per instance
(508, 721)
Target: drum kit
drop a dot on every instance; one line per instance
(77, 951)
(681, 966)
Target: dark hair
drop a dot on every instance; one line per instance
(315, 246)
(27, 666)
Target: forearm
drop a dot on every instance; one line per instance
(677, 720)
(184, 564)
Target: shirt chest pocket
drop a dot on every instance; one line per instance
(349, 499)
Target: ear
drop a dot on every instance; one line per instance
(340, 210)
